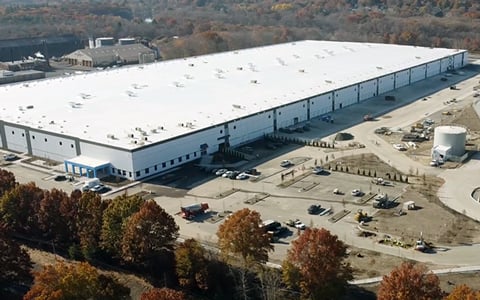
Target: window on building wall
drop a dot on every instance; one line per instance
(129, 174)
(33, 137)
(155, 167)
(221, 131)
(147, 171)
(279, 113)
(313, 102)
(187, 156)
(179, 159)
(113, 170)
(45, 139)
(13, 132)
(194, 154)
(23, 134)
(235, 127)
(303, 105)
(124, 173)
(60, 143)
(164, 165)
(119, 172)
(172, 162)
(269, 116)
(71, 145)
(137, 173)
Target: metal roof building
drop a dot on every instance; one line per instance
(141, 120)
(107, 56)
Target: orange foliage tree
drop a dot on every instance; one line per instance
(147, 233)
(191, 264)
(315, 265)
(77, 281)
(241, 234)
(7, 181)
(410, 281)
(162, 294)
(463, 292)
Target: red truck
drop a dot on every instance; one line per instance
(190, 211)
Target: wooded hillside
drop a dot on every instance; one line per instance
(191, 27)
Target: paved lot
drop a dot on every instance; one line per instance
(292, 202)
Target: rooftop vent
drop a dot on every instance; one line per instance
(130, 94)
(188, 76)
(51, 122)
(328, 81)
(301, 70)
(29, 106)
(85, 96)
(238, 106)
(177, 84)
(219, 76)
(191, 65)
(153, 130)
(239, 68)
(280, 61)
(110, 136)
(418, 57)
(130, 135)
(254, 81)
(379, 68)
(296, 56)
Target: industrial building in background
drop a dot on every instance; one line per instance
(103, 52)
(138, 121)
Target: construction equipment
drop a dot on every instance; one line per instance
(361, 216)
(380, 201)
(420, 245)
(190, 211)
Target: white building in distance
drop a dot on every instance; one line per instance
(137, 121)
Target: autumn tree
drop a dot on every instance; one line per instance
(75, 281)
(19, 207)
(14, 261)
(315, 265)
(410, 282)
(7, 181)
(55, 216)
(242, 234)
(147, 233)
(463, 292)
(89, 221)
(115, 218)
(191, 264)
(162, 294)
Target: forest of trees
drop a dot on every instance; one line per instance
(191, 27)
(138, 236)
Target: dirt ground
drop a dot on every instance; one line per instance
(438, 224)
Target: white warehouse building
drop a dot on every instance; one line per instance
(138, 121)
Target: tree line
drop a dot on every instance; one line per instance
(139, 236)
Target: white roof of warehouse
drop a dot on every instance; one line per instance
(201, 91)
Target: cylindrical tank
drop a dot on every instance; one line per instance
(451, 136)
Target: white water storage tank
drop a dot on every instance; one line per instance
(451, 136)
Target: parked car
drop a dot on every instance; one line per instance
(227, 174)
(252, 172)
(290, 223)
(10, 156)
(314, 209)
(97, 188)
(300, 225)
(286, 163)
(220, 172)
(399, 147)
(234, 175)
(242, 176)
(356, 192)
(317, 170)
(60, 178)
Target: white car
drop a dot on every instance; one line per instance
(356, 192)
(300, 225)
(286, 163)
(399, 147)
(220, 172)
(317, 170)
(242, 176)
(227, 174)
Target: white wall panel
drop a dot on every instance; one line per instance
(386, 84)
(445, 63)
(250, 128)
(368, 89)
(176, 151)
(346, 96)
(433, 68)
(465, 58)
(120, 159)
(417, 73)
(458, 61)
(286, 115)
(402, 78)
(320, 105)
(16, 139)
(52, 147)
